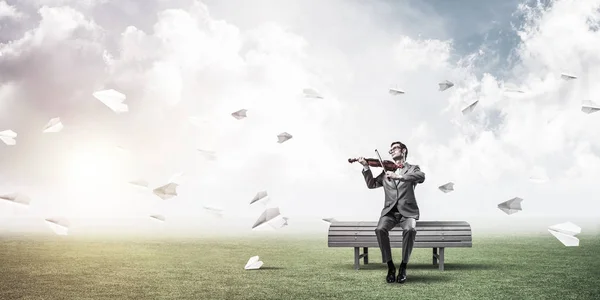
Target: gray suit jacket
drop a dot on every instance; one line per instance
(400, 193)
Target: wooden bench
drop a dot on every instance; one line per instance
(430, 234)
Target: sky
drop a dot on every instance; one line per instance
(206, 59)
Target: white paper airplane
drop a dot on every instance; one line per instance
(59, 225)
(445, 85)
(140, 183)
(213, 210)
(311, 93)
(511, 206)
(395, 91)
(447, 188)
(589, 107)
(158, 217)
(240, 114)
(566, 76)
(253, 263)
(113, 99)
(260, 196)
(17, 198)
(565, 233)
(330, 220)
(268, 215)
(166, 191)
(282, 137)
(470, 107)
(54, 125)
(8, 137)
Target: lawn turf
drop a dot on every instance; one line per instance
(497, 267)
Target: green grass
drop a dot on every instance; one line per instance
(519, 267)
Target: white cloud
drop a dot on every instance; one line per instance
(8, 11)
(191, 63)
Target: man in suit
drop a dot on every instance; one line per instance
(400, 207)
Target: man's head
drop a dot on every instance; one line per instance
(398, 150)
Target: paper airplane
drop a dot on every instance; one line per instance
(330, 220)
(566, 76)
(140, 183)
(59, 225)
(311, 93)
(268, 215)
(240, 114)
(511, 206)
(166, 191)
(158, 217)
(213, 210)
(589, 107)
(113, 99)
(445, 85)
(253, 263)
(395, 91)
(8, 137)
(513, 90)
(54, 125)
(262, 195)
(565, 233)
(447, 188)
(282, 137)
(16, 198)
(470, 108)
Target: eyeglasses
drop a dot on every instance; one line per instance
(394, 148)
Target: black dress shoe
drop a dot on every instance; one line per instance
(402, 275)
(391, 276)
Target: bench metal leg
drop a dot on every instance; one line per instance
(442, 259)
(366, 255)
(435, 256)
(356, 257)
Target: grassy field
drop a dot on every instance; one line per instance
(518, 267)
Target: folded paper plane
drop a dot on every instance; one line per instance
(54, 125)
(113, 99)
(470, 107)
(282, 137)
(565, 233)
(511, 206)
(240, 114)
(311, 93)
(166, 191)
(445, 85)
(395, 91)
(253, 263)
(59, 225)
(589, 107)
(566, 76)
(16, 198)
(447, 188)
(8, 137)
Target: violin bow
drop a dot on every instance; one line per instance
(381, 162)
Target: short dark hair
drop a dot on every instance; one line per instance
(402, 146)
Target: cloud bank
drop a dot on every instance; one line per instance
(206, 60)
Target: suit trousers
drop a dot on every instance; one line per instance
(409, 232)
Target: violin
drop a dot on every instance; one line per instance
(374, 162)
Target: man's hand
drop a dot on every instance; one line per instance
(392, 175)
(363, 161)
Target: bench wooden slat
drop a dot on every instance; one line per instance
(365, 239)
(398, 233)
(419, 223)
(399, 245)
(372, 228)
